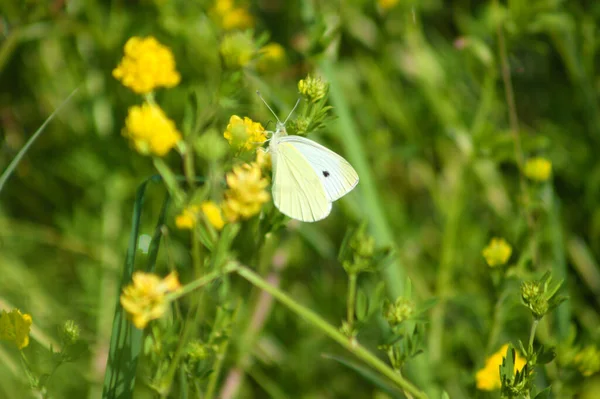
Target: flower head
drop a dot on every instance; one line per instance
(150, 130)
(230, 17)
(246, 192)
(14, 326)
(144, 298)
(263, 159)
(237, 49)
(244, 133)
(488, 378)
(70, 332)
(147, 64)
(188, 218)
(271, 57)
(212, 213)
(497, 252)
(313, 88)
(538, 169)
(399, 311)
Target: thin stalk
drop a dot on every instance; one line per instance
(221, 352)
(532, 334)
(352, 277)
(318, 322)
(188, 165)
(200, 282)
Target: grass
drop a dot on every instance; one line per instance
(437, 108)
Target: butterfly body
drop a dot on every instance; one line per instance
(307, 177)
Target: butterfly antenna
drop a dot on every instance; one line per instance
(270, 109)
(293, 109)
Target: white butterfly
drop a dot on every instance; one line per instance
(307, 177)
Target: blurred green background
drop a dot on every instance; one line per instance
(418, 83)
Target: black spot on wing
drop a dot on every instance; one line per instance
(325, 173)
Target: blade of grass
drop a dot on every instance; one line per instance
(126, 340)
(394, 275)
(13, 164)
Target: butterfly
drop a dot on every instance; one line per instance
(307, 177)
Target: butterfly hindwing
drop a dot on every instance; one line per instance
(336, 174)
(298, 192)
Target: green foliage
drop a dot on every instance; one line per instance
(438, 108)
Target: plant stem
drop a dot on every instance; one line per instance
(532, 335)
(318, 322)
(352, 277)
(188, 166)
(186, 289)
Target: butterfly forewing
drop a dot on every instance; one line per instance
(336, 174)
(298, 192)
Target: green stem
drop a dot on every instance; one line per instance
(333, 333)
(188, 165)
(352, 277)
(532, 335)
(222, 320)
(200, 282)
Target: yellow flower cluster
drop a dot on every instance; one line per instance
(147, 64)
(230, 17)
(538, 169)
(237, 49)
(488, 378)
(246, 192)
(244, 133)
(387, 4)
(271, 57)
(189, 216)
(14, 327)
(497, 252)
(150, 130)
(313, 88)
(144, 298)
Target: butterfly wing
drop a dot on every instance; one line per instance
(297, 190)
(336, 174)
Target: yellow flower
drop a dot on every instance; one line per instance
(588, 361)
(188, 218)
(246, 192)
(387, 4)
(272, 57)
(244, 133)
(237, 49)
(144, 298)
(313, 89)
(538, 169)
(497, 252)
(150, 130)
(263, 159)
(213, 214)
(488, 378)
(147, 64)
(14, 326)
(230, 17)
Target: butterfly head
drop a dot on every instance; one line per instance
(280, 126)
